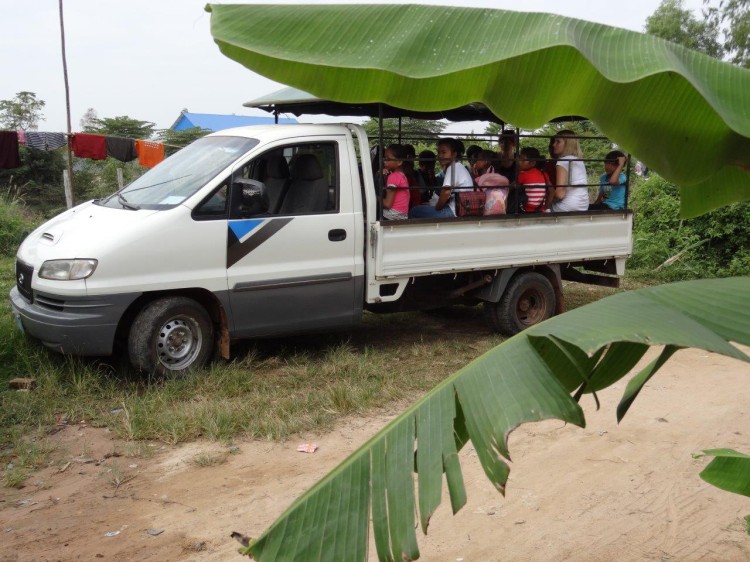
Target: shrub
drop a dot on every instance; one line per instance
(716, 244)
(15, 223)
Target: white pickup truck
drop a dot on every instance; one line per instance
(270, 230)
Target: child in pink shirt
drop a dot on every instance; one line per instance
(396, 198)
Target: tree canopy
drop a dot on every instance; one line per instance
(175, 140)
(723, 31)
(120, 126)
(22, 112)
(732, 17)
(673, 22)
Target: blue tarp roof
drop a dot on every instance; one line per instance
(214, 122)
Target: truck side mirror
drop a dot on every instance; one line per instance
(249, 197)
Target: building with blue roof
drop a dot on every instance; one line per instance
(215, 122)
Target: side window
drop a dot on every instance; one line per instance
(299, 179)
(216, 205)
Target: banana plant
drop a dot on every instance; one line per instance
(685, 114)
(535, 375)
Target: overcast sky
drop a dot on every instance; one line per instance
(149, 59)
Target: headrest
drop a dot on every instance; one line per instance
(307, 167)
(277, 167)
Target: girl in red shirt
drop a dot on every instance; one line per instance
(533, 179)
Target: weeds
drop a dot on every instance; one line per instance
(116, 478)
(207, 459)
(15, 477)
(21, 455)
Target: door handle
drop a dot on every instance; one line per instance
(337, 235)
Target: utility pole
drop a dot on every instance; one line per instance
(69, 186)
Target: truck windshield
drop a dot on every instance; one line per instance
(180, 175)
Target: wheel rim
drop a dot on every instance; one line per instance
(531, 307)
(179, 342)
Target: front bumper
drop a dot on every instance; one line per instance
(78, 326)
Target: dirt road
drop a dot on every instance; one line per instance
(607, 492)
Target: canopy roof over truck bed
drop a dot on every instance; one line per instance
(297, 102)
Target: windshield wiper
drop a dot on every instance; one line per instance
(125, 204)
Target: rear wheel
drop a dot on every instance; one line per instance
(172, 335)
(528, 299)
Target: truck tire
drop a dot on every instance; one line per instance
(528, 299)
(171, 336)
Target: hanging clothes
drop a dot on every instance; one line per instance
(21, 136)
(150, 153)
(9, 157)
(121, 148)
(45, 141)
(87, 145)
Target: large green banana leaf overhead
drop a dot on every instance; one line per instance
(685, 114)
(529, 377)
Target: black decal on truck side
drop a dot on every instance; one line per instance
(254, 232)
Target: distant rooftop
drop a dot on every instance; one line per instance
(214, 122)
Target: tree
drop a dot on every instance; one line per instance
(121, 126)
(88, 119)
(724, 32)
(733, 18)
(671, 21)
(22, 112)
(175, 140)
(421, 130)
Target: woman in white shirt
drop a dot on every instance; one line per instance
(571, 193)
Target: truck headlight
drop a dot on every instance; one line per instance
(67, 270)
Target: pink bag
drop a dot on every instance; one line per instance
(494, 203)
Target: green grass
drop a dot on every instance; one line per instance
(271, 389)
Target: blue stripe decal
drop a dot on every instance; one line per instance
(242, 228)
(238, 249)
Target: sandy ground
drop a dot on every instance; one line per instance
(607, 492)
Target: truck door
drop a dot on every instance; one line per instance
(291, 256)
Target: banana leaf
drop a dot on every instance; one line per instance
(730, 471)
(683, 113)
(529, 377)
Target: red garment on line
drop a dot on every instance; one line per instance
(87, 145)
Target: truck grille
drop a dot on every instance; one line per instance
(24, 274)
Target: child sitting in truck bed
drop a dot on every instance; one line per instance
(457, 178)
(612, 183)
(532, 179)
(482, 164)
(396, 198)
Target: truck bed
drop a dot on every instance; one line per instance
(426, 246)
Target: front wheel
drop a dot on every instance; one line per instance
(172, 335)
(528, 299)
